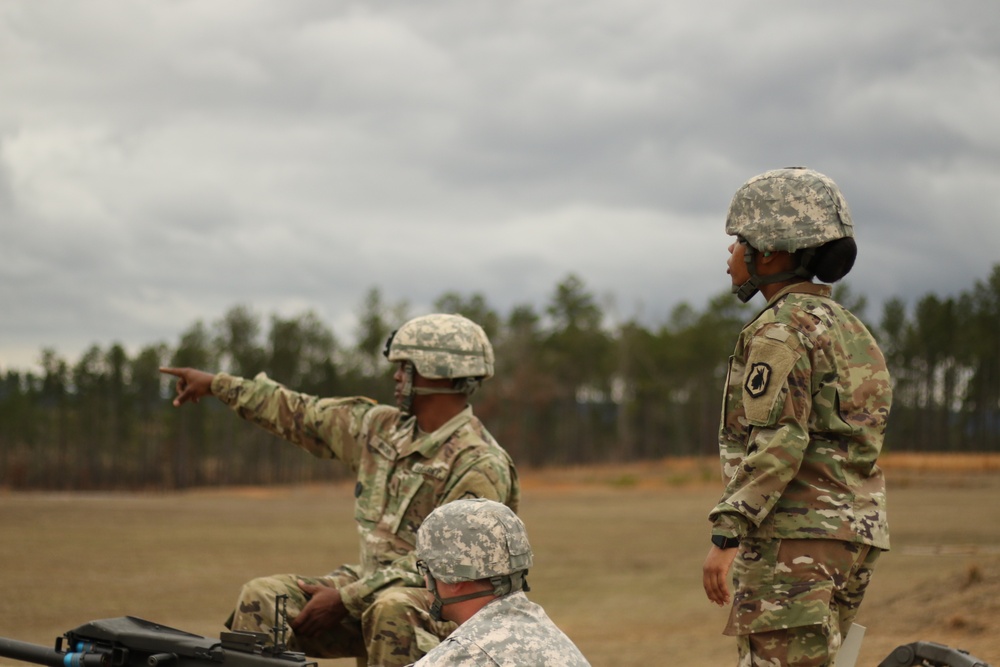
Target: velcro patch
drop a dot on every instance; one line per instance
(383, 448)
(439, 472)
(767, 369)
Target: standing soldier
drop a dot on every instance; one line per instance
(475, 557)
(803, 517)
(408, 459)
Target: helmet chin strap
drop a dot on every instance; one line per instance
(747, 290)
(406, 391)
(467, 386)
(439, 602)
(502, 585)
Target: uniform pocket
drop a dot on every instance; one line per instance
(777, 587)
(371, 492)
(399, 504)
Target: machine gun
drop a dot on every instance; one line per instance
(930, 654)
(134, 642)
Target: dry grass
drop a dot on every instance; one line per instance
(618, 557)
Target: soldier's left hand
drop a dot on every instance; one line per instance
(715, 574)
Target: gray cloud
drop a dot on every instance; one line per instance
(161, 162)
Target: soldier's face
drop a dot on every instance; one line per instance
(737, 267)
(403, 387)
(405, 383)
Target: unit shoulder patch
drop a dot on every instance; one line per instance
(758, 378)
(768, 366)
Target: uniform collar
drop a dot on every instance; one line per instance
(802, 287)
(428, 443)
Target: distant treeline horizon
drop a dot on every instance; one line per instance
(568, 389)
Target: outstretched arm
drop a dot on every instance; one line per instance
(192, 384)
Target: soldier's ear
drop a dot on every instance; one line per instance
(775, 262)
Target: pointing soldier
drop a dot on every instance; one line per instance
(409, 459)
(475, 557)
(803, 517)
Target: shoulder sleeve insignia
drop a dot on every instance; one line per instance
(757, 379)
(768, 366)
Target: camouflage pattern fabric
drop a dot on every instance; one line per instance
(509, 631)
(795, 600)
(402, 475)
(789, 209)
(443, 346)
(474, 539)
(805, 646)
(395, 629)
(806, 403)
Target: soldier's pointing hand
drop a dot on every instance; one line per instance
(192, 384)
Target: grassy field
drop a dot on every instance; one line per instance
(617, 565)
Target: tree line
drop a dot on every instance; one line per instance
(569, 388)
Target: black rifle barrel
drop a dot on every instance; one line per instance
(41, 655)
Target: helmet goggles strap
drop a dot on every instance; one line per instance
(426, 391)
(465, 385)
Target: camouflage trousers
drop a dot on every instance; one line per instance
(795, 600)
(396, 629)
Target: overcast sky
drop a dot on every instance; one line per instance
(163, 161)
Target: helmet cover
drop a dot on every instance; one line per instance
(443, 346)
(789, 209)
(472, 539)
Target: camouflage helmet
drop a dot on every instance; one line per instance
(789, 209)
(442, 346)
(473, 539)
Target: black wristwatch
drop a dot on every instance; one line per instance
(725, 542)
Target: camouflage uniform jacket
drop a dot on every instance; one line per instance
(402, 474)
(508, 632)
(805, 408)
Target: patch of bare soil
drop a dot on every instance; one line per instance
(959, 608)
(904, 468)
(670, 472)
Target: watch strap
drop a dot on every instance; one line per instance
(724, 542)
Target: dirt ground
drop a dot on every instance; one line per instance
(618, 553)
